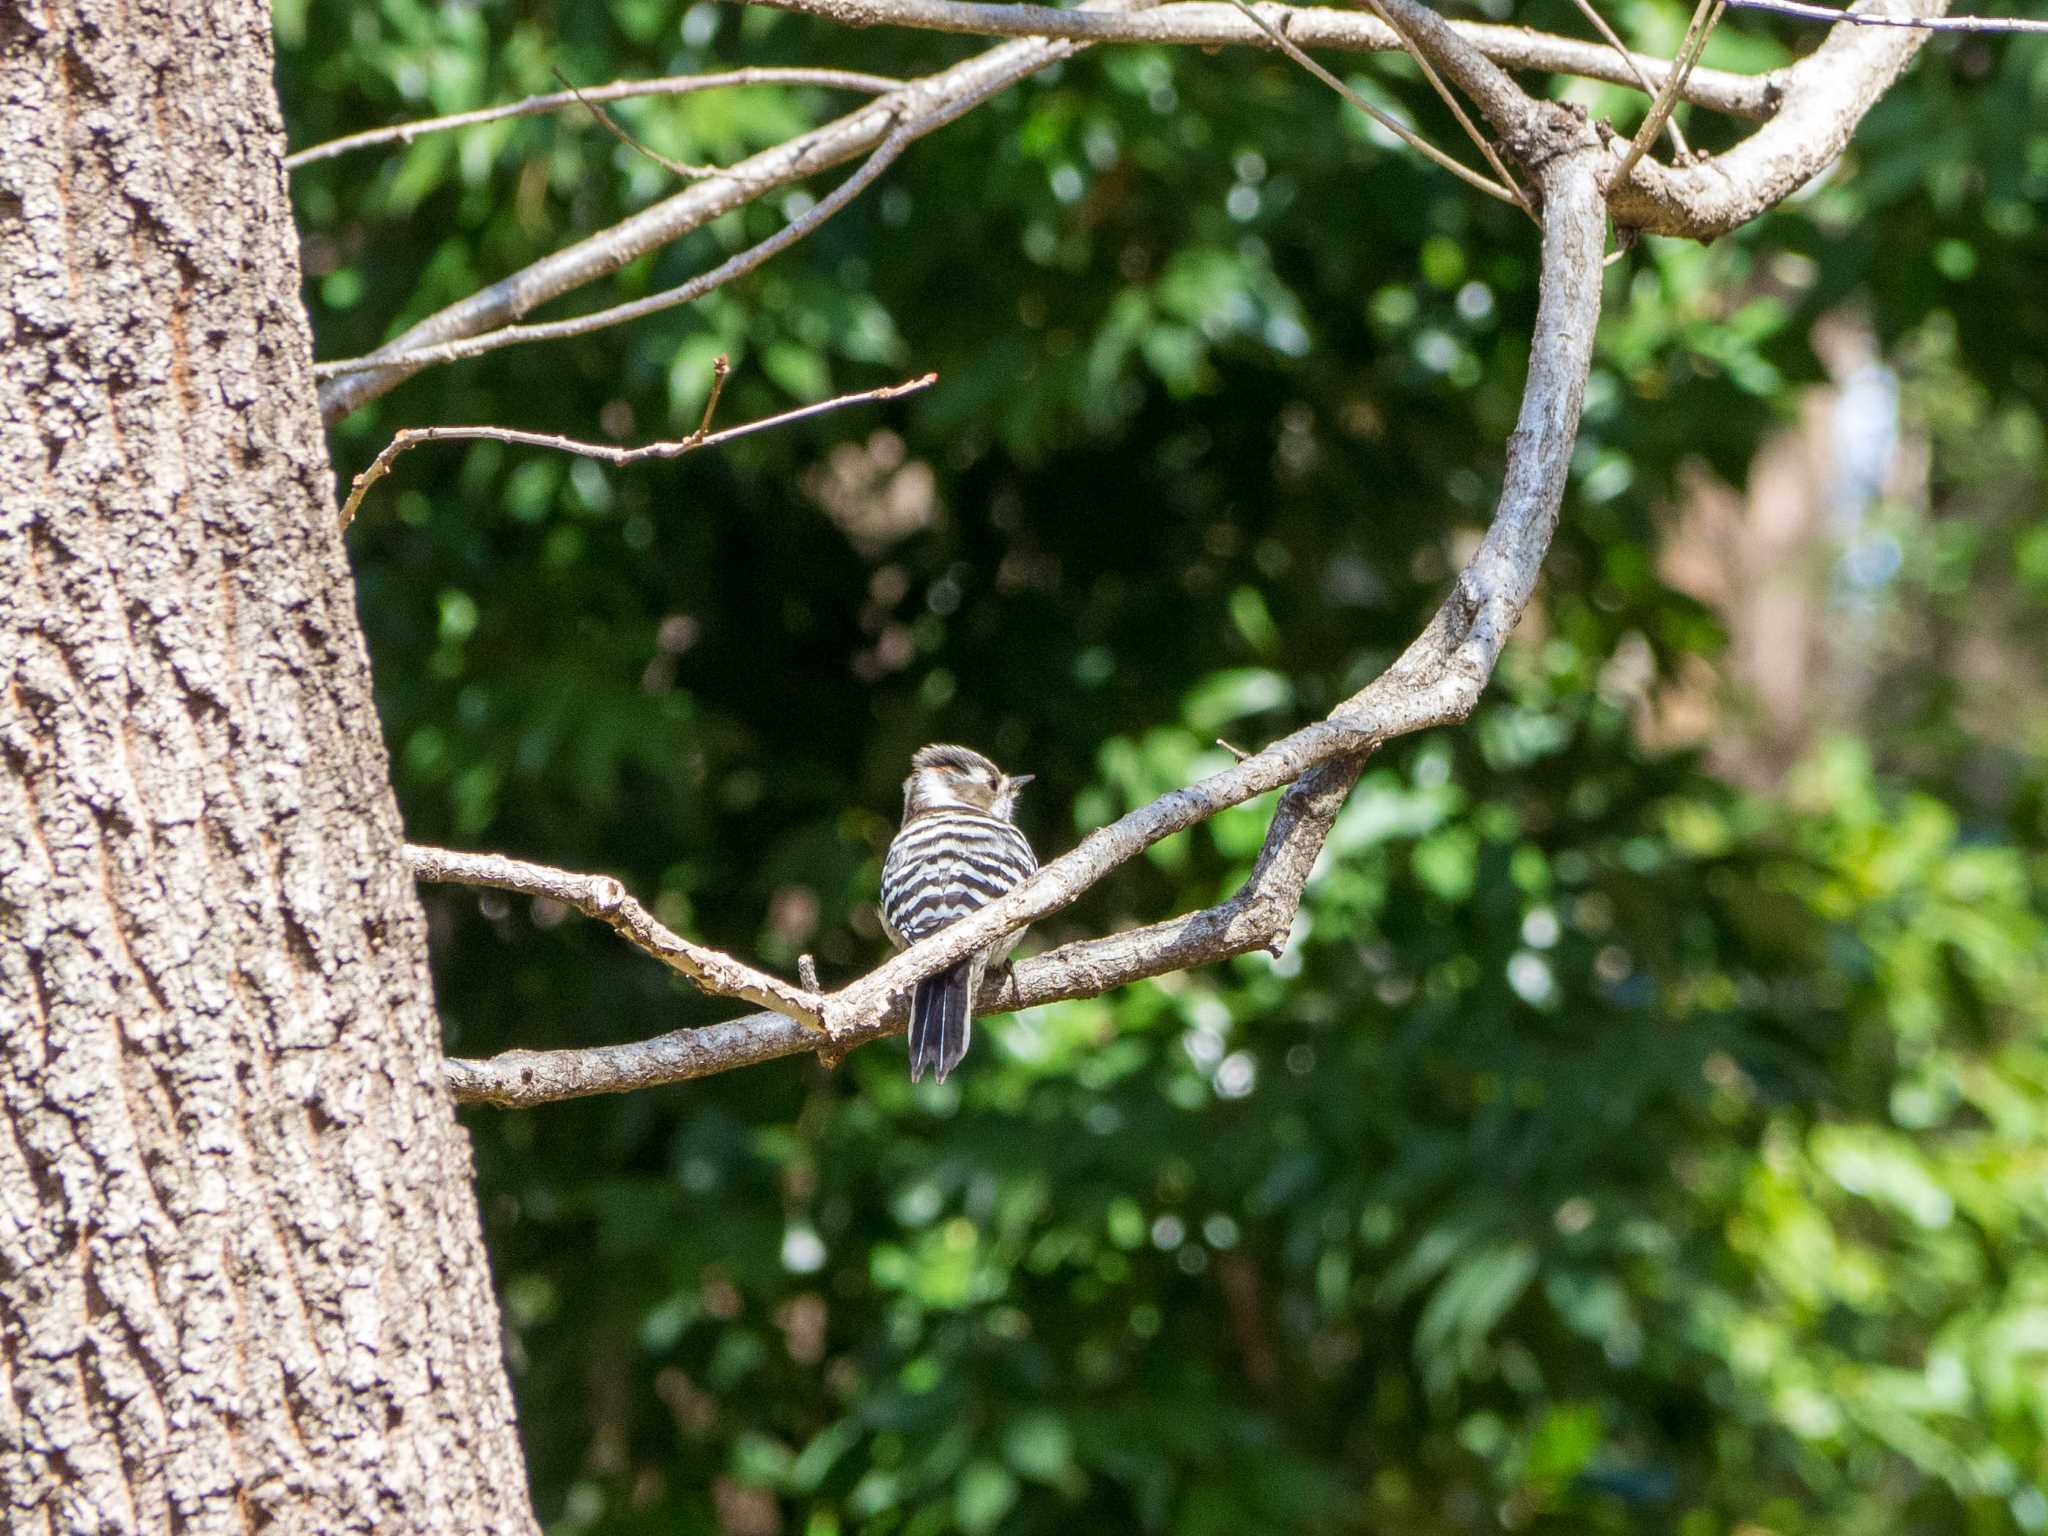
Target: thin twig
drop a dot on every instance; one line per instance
(1820, 101)
(412, 437)
(1392, 124)
(681, 169)
(719, 369)
(1259, 915)
(618, 90)
(1237, 752)
(1867, 19)
(1704, 15)
(1587, 9)
(1457, 110)
(1508, 109)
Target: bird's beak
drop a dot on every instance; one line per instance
(1018, 780)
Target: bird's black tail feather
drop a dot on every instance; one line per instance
(941, 1019)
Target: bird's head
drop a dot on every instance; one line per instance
(944, 778)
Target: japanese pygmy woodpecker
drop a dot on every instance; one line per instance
(959, 848)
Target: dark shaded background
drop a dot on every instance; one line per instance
(1644, 1130)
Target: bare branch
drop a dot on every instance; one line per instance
(669, 298)
(1514, 116)
(1216, 25)
(919, 105)
(412, 437)
(1704, 15)
(1258, 915)
(1831, 13)
(602, 897)
(1439, 678)
(620, 90)
(1436, 681)
(1504, 189)
(1824, 97)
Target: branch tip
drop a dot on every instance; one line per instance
(720, 367)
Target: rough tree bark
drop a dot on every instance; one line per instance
(242, 1284)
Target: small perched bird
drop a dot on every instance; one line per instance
(959, 848)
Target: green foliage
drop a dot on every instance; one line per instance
(1611, 1149)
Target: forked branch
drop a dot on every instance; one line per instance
(1440, 676)
(1704, 15)
(1436, 681)
(602, 897)
(1258, 917)
(892, 119)
(1825, 96)
(1504, 189)
(732, 267)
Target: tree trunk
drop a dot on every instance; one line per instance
(242, 1283)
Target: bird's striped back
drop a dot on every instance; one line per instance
(943, 865)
